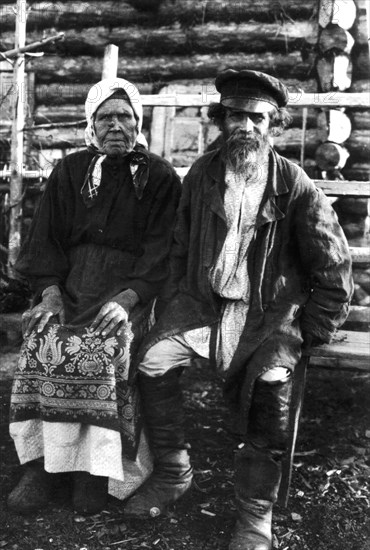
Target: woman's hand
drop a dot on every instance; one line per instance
(110, 317)
(51, 305)
(114, 314)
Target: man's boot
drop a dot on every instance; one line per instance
(258, 465)
(172, 473)
(34, 490)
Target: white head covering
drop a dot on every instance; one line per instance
(99, 93)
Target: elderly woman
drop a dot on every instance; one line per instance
(95, 258)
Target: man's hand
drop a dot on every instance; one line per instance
(310, 341)
(50, 306)
(114, 314)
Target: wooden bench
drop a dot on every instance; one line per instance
(348, 350)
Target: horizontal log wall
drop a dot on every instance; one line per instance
(176, 40)
(67, 15)
(168, 67)
(184, 42)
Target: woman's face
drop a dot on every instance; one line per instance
(115, 127)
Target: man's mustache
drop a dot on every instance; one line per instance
(240, 144)
(239, 137)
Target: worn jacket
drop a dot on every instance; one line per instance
(298, 262)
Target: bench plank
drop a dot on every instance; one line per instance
(359, 314)
(339, 363)
(358, 189)
(346, 344)
(360, 254)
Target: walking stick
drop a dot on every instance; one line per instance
(299, 380)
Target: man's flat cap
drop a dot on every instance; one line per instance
(251, 91)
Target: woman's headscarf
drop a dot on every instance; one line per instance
(138, 158)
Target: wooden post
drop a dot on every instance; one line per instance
(110, 62)
(162, 127)
(15, 194)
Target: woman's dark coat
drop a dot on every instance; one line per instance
(93, 252)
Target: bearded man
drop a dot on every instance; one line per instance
(259, 266)
(95, 257)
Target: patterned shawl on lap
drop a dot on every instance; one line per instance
(73, 375)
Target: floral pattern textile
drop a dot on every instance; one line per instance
(74, 375)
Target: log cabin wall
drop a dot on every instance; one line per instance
(339, 26)
(182, 44)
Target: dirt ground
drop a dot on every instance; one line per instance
(329, 505)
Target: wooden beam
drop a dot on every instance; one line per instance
(34, 46)
(336, 363)
(208, 95)
(346, 344)
(359, 314)
(360, 254)
(110, 62)
(358, 189)
(79, 14)
(342, 188)
(220, 37)
(72, 69)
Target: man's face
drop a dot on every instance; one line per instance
(255, 123)
(245, 133)
(116, 127)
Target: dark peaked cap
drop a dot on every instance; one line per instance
(251, 91)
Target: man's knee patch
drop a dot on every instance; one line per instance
(275, 374)
(268, 421)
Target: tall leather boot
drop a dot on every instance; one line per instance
(258, 465)
(172, 473)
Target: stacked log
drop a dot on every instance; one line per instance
(344, 134)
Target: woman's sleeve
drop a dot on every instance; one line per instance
(151, 268)
(42, 259)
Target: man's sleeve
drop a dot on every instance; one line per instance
(326, 258)
(179, 250)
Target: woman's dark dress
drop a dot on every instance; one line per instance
(93, 250)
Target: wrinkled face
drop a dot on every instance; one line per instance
(255, 123)
(245, 134)
(115, 127)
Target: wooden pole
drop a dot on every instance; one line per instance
(110, 62)
(18, 89)
(368, 23)
(30, 47)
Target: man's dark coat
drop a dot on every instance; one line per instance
(299, 267)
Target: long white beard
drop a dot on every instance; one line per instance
(246, 152)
